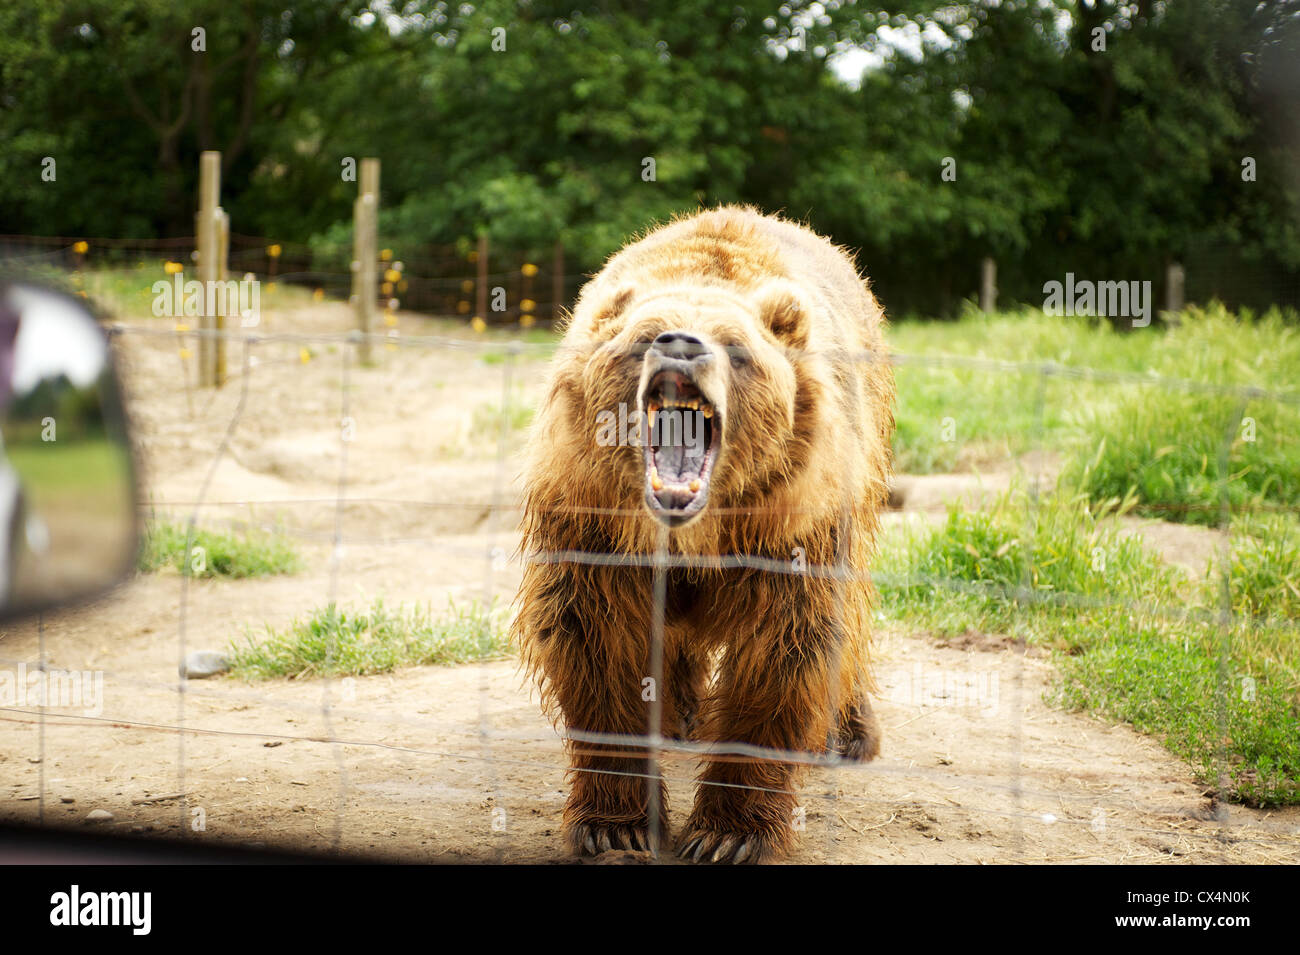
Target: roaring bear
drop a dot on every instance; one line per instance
(704, 475)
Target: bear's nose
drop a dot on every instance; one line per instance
(680, 345)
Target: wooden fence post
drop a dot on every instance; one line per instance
(219, 320)
(557, 282)
(988, 284)
(1174, 285)
(207, 236)
(481, 302)
(365, 253)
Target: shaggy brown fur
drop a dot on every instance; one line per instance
(792, 360)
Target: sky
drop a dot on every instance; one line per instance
(55, 336)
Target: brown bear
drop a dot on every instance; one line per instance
(707, 464)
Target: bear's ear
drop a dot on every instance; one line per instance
(612, 309)
(782, 310)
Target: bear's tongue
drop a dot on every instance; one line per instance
(677, 464)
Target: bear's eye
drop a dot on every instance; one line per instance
(739, 357)
(636, 351)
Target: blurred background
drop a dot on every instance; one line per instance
(1104, 138)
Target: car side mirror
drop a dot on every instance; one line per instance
(67, 479)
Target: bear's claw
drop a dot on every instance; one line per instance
(735, 848)
(591, 839)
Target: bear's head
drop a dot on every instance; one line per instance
(714, 376)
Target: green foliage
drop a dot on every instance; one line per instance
(76, 74)
(1262, 569)
(78, 410)
(335, 642)
(1065, 157)
(254, 553)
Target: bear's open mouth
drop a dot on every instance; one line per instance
(685, 432)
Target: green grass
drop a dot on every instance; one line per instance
(253, 553)
(1166, 448)
(1161, 443)
(92, 473)
(951, 418)
(1137, 640)
(1263, 568)
(530, 336)
(1223, 711)
(1021, 563)
(334, 642)
(488, 418)
(127, 291)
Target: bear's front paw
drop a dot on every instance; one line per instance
(857, 736)
(593, 838)
(701, 844)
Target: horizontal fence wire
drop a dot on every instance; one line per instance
(517, 347)
(783, 755)
(434, 279)
(482, 741)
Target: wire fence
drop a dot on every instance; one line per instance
(1017, 797)
(428, 277)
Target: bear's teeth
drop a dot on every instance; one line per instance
(655, 481)
(695, 486)
(708, 411)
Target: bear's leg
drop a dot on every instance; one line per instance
(608, 805)
(857, 731)
(686, 684)
(584, 633)
(774, 691)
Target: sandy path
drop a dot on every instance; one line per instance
(977, 768)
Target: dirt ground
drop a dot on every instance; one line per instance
(457, 764)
